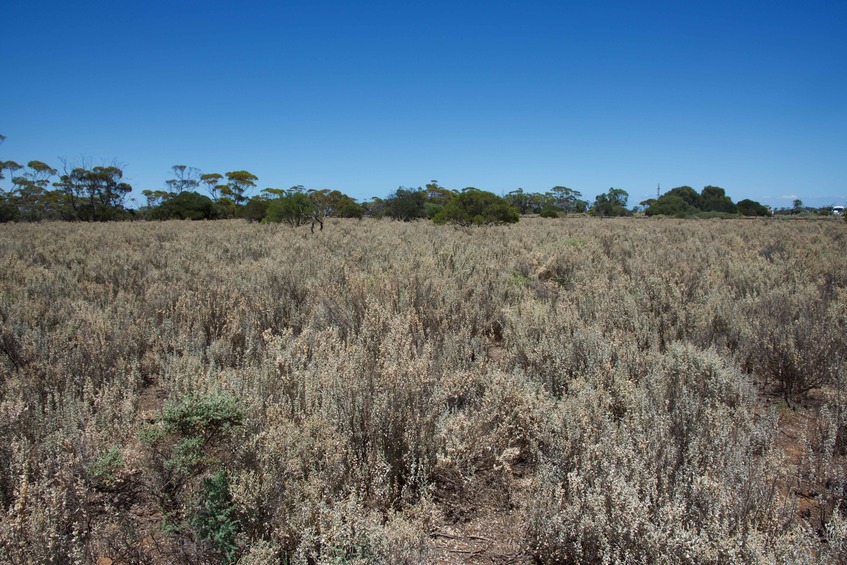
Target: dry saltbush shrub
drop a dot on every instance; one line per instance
(686, 476)
(390, 372)
(489, 436)
(797, 341)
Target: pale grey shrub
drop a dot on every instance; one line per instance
(687, 475)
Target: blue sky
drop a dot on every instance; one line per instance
(366, 97)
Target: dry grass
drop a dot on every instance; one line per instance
(573, 390)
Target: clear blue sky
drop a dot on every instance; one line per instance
(367, 96)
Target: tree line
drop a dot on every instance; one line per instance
(81, 192)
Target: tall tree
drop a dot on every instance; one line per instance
(568, 199)
(714, 199)
(519, 199)
(474, 207)
(155, 197)
(185, 178)
(406, 204)
(10, 166)
(611, 203)
(213, 184)
(33, 199)
(436, 194)
(238, 184)
(95, 194)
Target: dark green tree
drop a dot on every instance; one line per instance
(549, 212)
(256, 209)
(294, 207)
(406, 204)
(11, 167)
(748, 207)
(352, 210)
(688, 194)
(538, 202)
(714, 199)
(474, 207)
(670, 205)
(611, 203)
(187, 205)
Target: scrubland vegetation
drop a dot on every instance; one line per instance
(569, 390)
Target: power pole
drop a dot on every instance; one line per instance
(658, 190)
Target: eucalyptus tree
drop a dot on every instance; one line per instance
(213, 184)
(238, 184)
(33, 199)
(568, 199)
(185, 179)
(95, 194)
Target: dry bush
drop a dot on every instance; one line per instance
(610, 380)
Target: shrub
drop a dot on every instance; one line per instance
(188, 437)
(215, 519)
(590, 386)
(792, 344)
(549, 212)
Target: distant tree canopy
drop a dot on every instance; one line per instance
(186, 205)
(406, 204)
(714, 199)
(557, 199)
(86, 193)
(473, 207)
(256, 209)
(749, 207)
(683, 201)
(294, 208)
(95, 194)
(611, 203)
(671, 205)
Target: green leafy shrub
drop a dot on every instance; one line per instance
(549, 212)
(189, 436)
(104, 470)
(215, 519)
